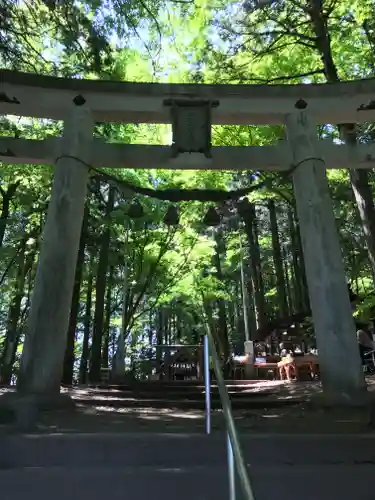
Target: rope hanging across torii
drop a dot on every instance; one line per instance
(178, 195)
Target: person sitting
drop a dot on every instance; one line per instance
(286, 365)
(365, 343)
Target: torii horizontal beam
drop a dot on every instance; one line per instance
(45, 152)
(24, 94)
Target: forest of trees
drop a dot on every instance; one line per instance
(140, 271)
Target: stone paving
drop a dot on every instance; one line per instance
(184, 466)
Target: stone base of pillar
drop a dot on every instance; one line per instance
(21, 411)
(250, 372)
(118, 378)
(249, 349)
(334, 400)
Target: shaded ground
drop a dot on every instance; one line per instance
(270, 407)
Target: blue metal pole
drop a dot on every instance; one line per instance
(231, 470)
(207, 384)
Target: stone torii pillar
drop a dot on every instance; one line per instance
(340, 366)
(43, 352)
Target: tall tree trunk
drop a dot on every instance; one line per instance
(179, 326)
(12, 333)
(359, 178)
(278, 262)
(159, 336)
(168, 324)
(223, 323)
(69, 358)
(363, 196)
(173, 326)
(107, 325)
(291, 302)
(5, 207)
(249, 332)
(86, 326)
(159, 342)
(300, 291)
(248, 214)
(236, 312)
(118, 360)
(251, 299)
(96, 347)
(256, 258)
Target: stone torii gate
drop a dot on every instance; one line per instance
(191, 109)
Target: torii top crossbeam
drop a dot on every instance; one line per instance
(24, 94)
(191, 109)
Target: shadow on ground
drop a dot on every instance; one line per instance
(98, 410)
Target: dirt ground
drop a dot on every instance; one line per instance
(305, 415)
